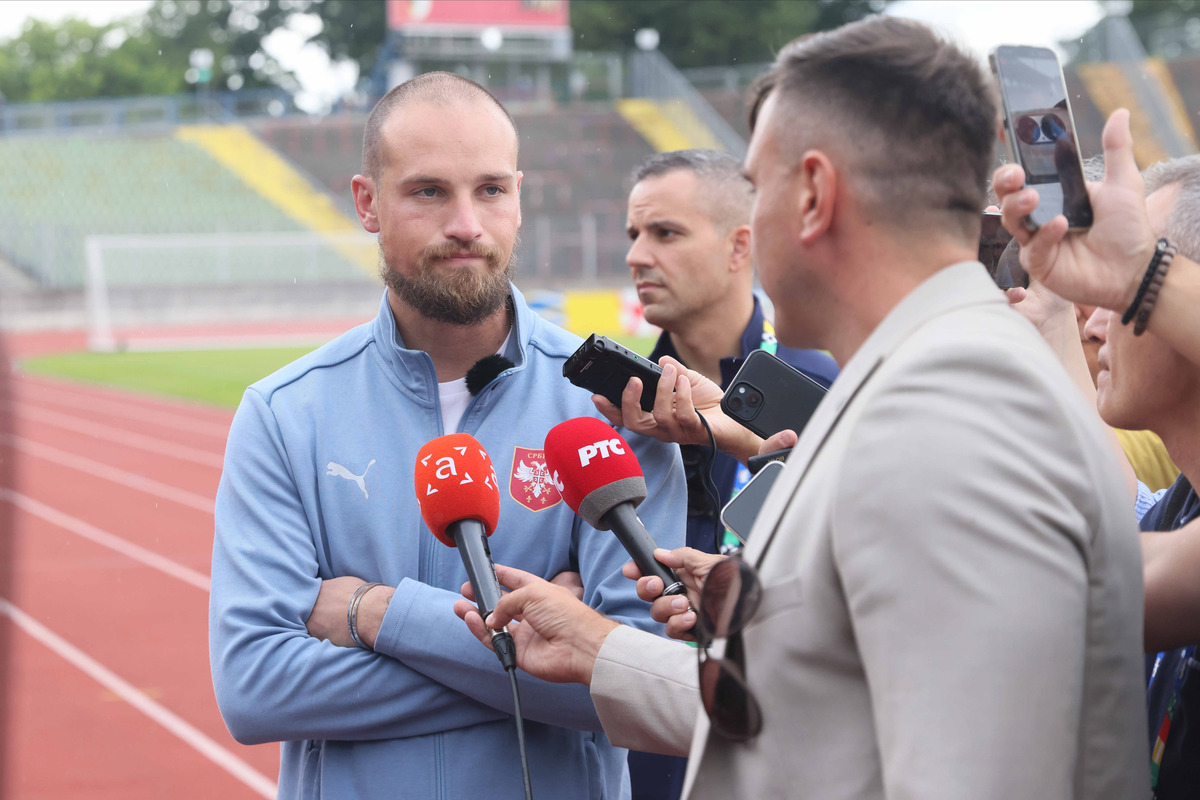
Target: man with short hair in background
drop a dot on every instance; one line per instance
(690, 259)
(1144, 383)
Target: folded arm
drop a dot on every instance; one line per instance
(421, 630)
(273, 681)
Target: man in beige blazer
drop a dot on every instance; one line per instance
(952, 595)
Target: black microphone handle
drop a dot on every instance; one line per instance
(631, 533)
(471, 538)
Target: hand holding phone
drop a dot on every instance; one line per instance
(1040, 132)
(768, 395)
(604, 367)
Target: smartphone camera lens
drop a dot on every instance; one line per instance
(744, 401)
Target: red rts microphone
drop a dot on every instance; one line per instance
(598, 475)
(460, 502)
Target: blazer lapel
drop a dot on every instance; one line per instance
(955, 286)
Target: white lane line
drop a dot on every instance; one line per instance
(35, 393)
(207, 747)
(129, 480)
(123, 437)
(106, 539)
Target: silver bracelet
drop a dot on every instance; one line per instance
(352, 613)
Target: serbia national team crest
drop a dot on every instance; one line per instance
(531, 483)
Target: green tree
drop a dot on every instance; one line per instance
(1150, 17)
(350, 29)
(144, 54)
(702, 33)
(149, 53)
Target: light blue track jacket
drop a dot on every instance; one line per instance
(318, 483)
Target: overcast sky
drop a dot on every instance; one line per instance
(979, 24)
(983, 24)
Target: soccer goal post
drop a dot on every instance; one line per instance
(137, 281)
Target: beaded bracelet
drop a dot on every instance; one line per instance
(1160, 247)
(1160, 275)
(352, 612)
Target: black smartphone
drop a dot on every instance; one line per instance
(768, 395)
(1040, 132)
(604, 367)
(739, 513)
(1000, 254)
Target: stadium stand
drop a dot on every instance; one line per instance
(327, 148)
(576, 162)
(215, 204)
(285, 175)
(63, 188)
(247, 220)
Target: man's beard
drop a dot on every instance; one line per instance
(460, 297)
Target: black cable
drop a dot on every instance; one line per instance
(506, 651)
(710, 485)
(512, 675)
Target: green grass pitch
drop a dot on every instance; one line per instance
(213, 377)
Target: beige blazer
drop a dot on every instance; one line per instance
(953, 593)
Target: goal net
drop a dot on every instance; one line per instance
(141, 287)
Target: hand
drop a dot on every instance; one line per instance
(328, 617)
(1104, 265)
(783, 440)
(683, 396)
(572, 581)
(557, 637)
(692, 566)
(1041, 306)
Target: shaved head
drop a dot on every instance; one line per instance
(438, 88)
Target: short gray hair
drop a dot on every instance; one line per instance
(729, 194)
(1183, 225)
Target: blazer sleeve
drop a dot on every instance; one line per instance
(962, 547)
(645, 691)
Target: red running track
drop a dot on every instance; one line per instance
(105, 543)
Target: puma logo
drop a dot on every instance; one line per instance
(334, 468)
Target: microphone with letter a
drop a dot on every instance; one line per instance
(598, 475)
(460, 502)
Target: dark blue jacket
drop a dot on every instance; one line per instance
(1179, 773)
(701, 512)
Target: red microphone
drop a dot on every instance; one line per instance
(455, 481)
(460, 502)
(598, 475)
